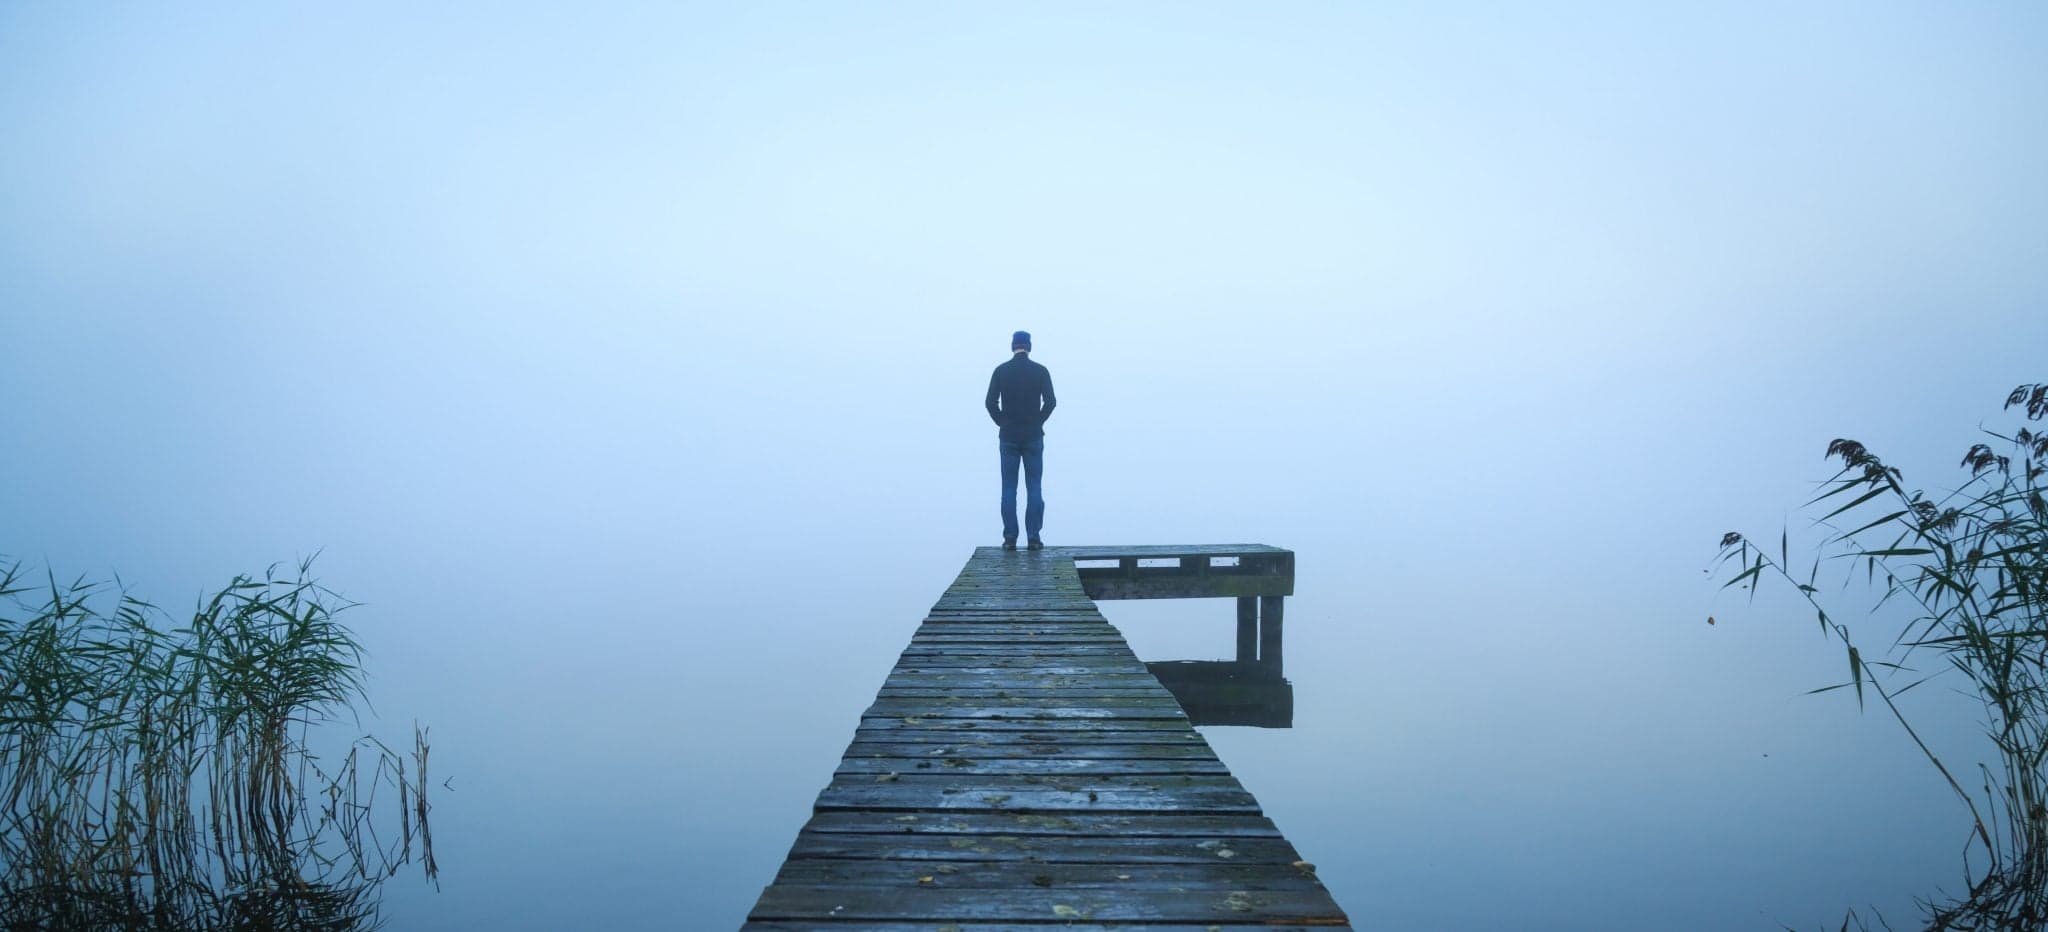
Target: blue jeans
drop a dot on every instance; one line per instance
(1032, 454)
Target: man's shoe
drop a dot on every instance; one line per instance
(1037, 544)
(1009, 543)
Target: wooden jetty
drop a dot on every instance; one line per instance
(1022, 768)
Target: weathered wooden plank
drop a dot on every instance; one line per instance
(796, 901)
(1061, 766)
(1022, 698)
(1144, 706)
(1048, 849)
(936, 723)
(1193, 572)
(997, 792)
(998, 677)
(1153, 700)
(1074, 603)
(1052, 667)
(994, 605)
(969, 733)
(966, 633)
(984, 643)
(1071, 600)
(1011, 925)
(1163, 551)
(974, 643)
(1088, 661)
(978, 634)
(1091, 659)
(1013, 669)
(1026, 685)
(1204, 827)
(1028, 750)
(1019, 651)
(1001, 875)
(1216, 586)
(1124, 676)
(1029, 714)
(963, 693)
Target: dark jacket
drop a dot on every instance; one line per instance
(1020, 398)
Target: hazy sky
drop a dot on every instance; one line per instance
(627, 363)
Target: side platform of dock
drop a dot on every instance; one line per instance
(1021, 767)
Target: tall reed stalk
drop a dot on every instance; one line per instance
(1971, 567)
(158, 777)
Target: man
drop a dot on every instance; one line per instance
(1019, 400)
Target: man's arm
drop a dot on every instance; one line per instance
(1045, 413)
(995, 412)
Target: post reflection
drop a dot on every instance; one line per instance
(1228, 692)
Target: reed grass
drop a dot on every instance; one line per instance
(1971, 569)
(160, 777)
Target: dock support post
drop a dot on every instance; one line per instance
(1269, 634)
(1247, 629)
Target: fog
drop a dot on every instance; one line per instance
(626, 364)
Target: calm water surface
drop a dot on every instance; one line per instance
(1467, 767)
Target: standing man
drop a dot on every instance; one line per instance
(1019, 400)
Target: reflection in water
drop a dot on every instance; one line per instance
(1227, 692)
(159, 775)
(1250, 690)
